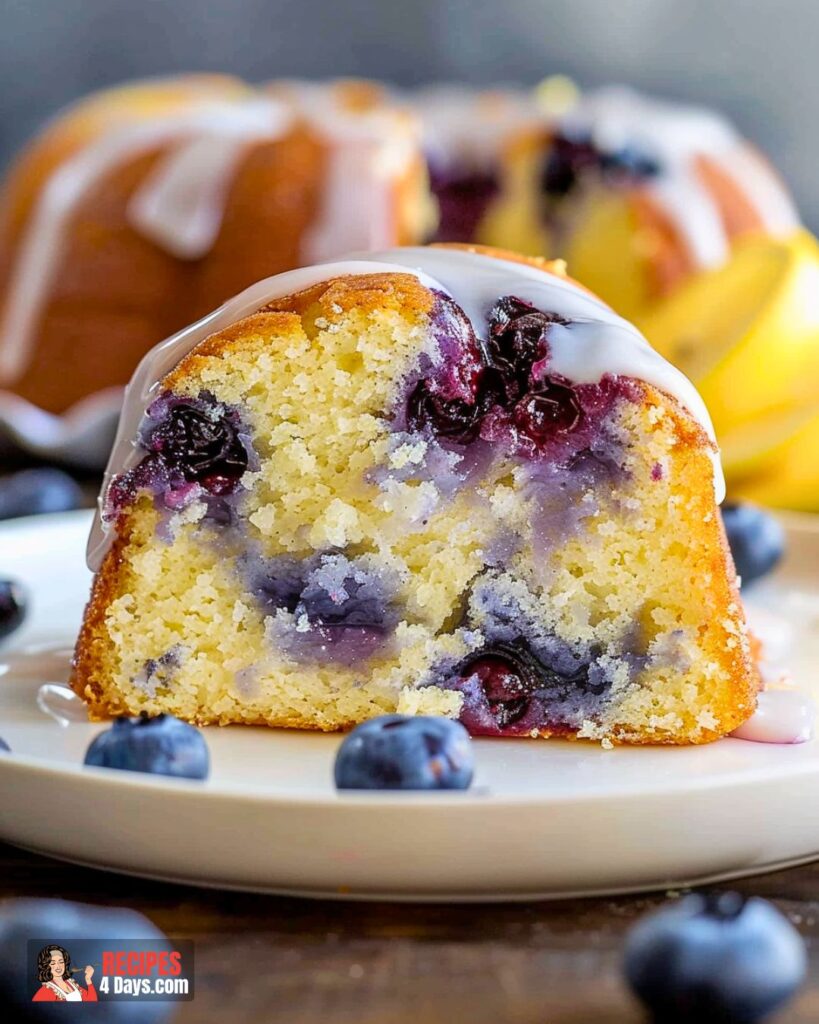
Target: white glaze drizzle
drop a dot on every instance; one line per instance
(598, 341)
(781, 716)
(359, 209)
(181, 204)
(675, 136)
(370, 148)
(70, 183)
(467, 129)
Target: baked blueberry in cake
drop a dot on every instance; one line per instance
(433, 481)
(465, 137)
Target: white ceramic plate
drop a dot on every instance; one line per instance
(544, 819)
(81, 437)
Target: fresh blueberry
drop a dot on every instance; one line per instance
(161, 746)
(405, 752)
(756, 539)
(13, 603)
(62, 922)
(33, 491)
(4, 745)
(715, 958)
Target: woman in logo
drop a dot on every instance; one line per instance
(56, 984)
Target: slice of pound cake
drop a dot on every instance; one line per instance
(432, 480)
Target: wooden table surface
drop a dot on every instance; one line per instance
(267, 958)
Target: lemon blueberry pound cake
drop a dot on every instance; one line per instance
(636, 193)
(430, 480)
(143, 207)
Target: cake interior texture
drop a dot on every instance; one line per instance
(347, 505)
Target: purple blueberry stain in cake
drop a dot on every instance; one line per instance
(443, 395)
(196, 448)
(325, 608)
(502, 391)
(562, 496)
(657, 472)
(423, 459)
(463, 195)
(571, 459)
(510, 690)
(501, 548)
(246, 682)
(435, 427)
(537, 414)
(521, 677)
(275, 583)
(158, 673)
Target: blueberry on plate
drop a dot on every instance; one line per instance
(715, 958)
(4, 745)
(161, 746)
(405, 752)
(13, 602)
(64, 923)
(33, 491)
(756, 539)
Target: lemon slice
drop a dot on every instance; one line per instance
(787, 475)
(748, 333)
(605, 251)
(755, 446)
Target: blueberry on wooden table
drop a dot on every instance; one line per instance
(63, 923)
(715, 958)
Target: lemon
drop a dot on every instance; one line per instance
(747, 334)
(606, 251)
(787, 476)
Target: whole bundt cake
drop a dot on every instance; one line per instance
(138, 210)
(431, 480)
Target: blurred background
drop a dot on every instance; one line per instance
(755, 59)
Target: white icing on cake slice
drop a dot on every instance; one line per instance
(596, 343)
